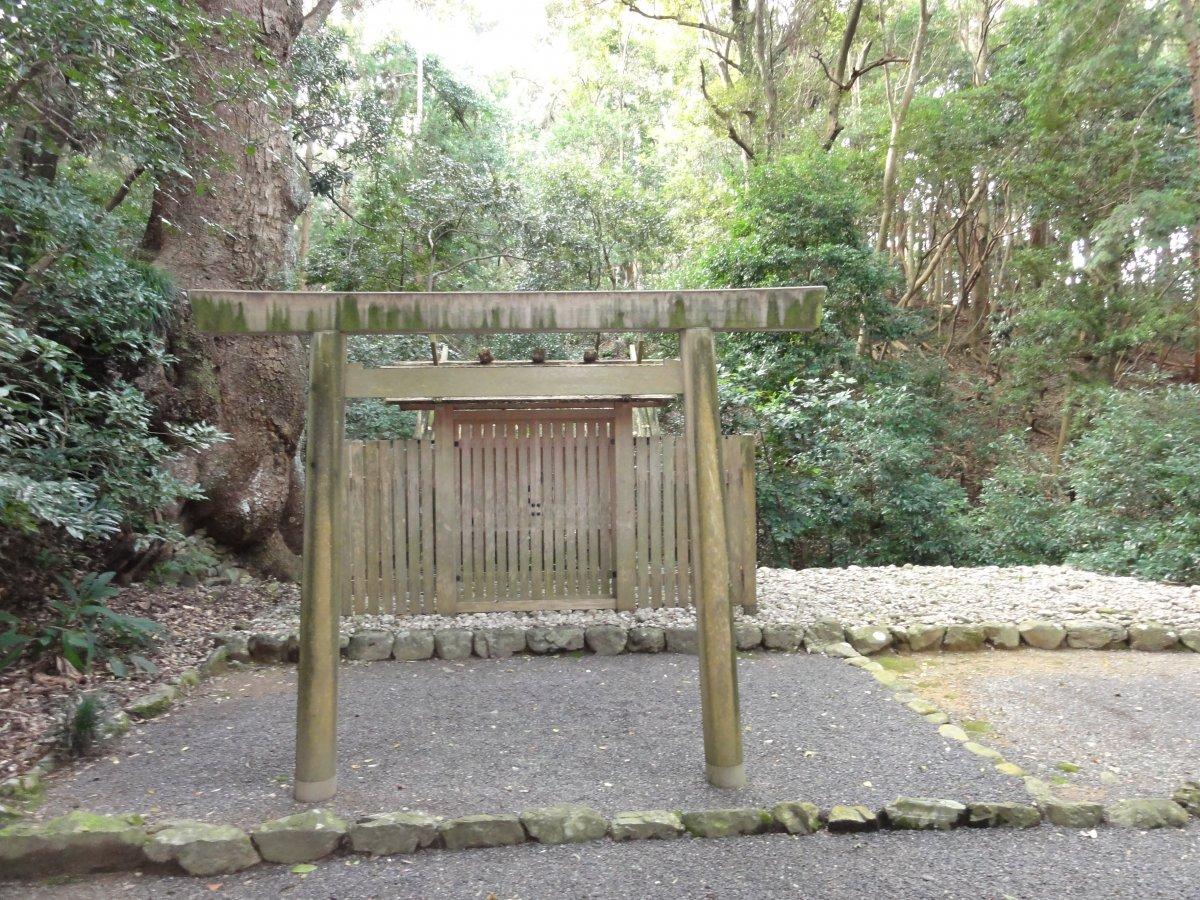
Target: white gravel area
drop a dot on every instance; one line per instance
(882, 595)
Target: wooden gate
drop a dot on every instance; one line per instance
(535, 505)
(538, 521)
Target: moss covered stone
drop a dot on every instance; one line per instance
(1145, 814)
(200, 848)
(844, 819)
(719, 823)
(388, 833)
(153, 703)
(1072, 815)
(797, 817)
(564, 824)
(299, 838)
(75, 843)
(468, 832)
(924, 813)
(646, 824)
(1003, 815)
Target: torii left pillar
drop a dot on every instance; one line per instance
(324, 528)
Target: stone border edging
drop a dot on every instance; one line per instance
(825, 636)
(82, 842)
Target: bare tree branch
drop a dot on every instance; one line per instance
(678, 20)
(723, 116)
(315, 17)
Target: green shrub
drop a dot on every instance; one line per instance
(851, 478)
(83, 722)
(82, 630)
(84, 458)
(1020, 517)
(1135, 477)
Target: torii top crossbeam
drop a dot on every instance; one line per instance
(297, 312)
(329, 317)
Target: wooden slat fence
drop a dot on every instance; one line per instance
(536, 523)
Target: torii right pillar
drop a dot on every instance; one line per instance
(719, 709)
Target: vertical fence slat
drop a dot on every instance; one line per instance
(387, 585)
(467, 510)
(655, 498)
(358, 531)
(605, 508)
(428, 604)
(682, 543)
(669, 548)
(399, 525)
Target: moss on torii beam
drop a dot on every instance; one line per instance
(298, 312)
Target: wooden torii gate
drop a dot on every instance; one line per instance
(329, 317)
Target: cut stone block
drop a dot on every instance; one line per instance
(1003, 815)
(963, 638)
(646, 825)
(1072, 815)
(682, 640)
(1095, 635)
(747, 635)
(388, 833)
(797, 817)
(370, 645)
(925, 637)
(822, 633)
(153, 703)
(76, 843)
(843, 819)
(300, 838)
(782, 637)
(924, 813)
(1152, 637)
(468, 832)
(1002, 636)
(554, 638)
(499, 643)
(453, 643)
(606, 640)
(269, 648)
(412, 644)
(868, 639)
(1145, 814)
(566, 823)
(719, 823)
(646, 639)
(201, 848)
(1042, 635)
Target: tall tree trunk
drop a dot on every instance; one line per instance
(237, 232)
(891, 166)
(837, 83)
(1191, 35)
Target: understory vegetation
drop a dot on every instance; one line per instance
(1003, 199)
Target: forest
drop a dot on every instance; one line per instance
(1003, 198)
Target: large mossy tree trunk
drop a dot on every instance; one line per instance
(232, 227)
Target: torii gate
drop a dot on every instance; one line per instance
(329, 317)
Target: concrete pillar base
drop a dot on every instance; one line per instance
(726, 776)
(315, 791)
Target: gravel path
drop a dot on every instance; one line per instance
(487, 735)
(1047, 862)
(884, 595)
(1130, 722)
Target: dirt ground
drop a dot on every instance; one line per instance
(1093, 724)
